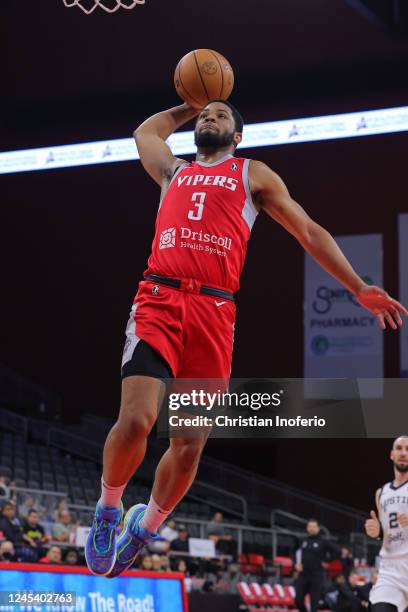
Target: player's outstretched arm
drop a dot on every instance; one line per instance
(151, 136)
(373, 525)
(272, 195)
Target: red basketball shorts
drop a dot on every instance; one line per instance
(193, 332)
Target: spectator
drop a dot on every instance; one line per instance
(147, 563)
(165, 563)
(12, 531)
(216, 531)
(156, 563)
(350, 597)
(6, 551)
(227, 581)
(53, 555)
(347, 560)
(71, 557)
(7, 488)
(34, 533)
(180, 544)
(64, 529)
(168, 531)
(28, 504)
(310, 564)
(61, 506)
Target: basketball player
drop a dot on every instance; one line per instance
(390, 592)
(182, 319)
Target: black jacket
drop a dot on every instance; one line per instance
(315, 550)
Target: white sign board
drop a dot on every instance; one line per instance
(199, 547)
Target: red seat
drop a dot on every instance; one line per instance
(269, 591)
(335, 568)
(284, 597)
(247, 595)
(261, 598)
(285, 564)
(291, 595)
(243, 561)
(256, 563)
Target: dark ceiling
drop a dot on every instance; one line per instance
(61, 61)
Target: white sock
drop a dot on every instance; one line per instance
(111, 496)
(154, 516)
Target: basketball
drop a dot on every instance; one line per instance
(203, 75)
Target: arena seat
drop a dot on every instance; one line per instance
(284, 597)
(247, 595)
(261, 597)
(270, 593)
(285, 564)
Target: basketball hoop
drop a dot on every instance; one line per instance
(110, 6)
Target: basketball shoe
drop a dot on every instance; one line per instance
(100, 550)
(131, 540)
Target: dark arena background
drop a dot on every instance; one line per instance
(75, 241)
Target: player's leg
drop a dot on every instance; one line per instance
(124, 450)
(175, 474)
(125, 445)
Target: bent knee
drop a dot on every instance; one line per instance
(188, 451)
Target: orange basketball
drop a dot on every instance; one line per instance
(203, 75)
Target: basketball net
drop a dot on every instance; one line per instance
(110, 6)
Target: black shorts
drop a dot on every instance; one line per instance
(146, 361)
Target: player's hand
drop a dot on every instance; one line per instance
(402, 518)
(372, 525)
(382, 305)
(299, 567)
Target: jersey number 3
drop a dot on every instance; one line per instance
(198, 200)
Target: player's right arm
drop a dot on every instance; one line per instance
(155, 154)
(373, 525)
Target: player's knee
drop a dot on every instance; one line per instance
(188, 452)
(134, 422)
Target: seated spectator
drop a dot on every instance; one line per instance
(53, 555)
(34, 533)
(147, 563)
(346, 560)
(180, 544)
(165, 563)
(6, 550)
(71, 557)
(169, 531)
(217, 532)
(12, 531)
(156, 563)
(350, 598)
(28, 504)
(227, 581)
(64, 529)
(7, 488)
(61, 506)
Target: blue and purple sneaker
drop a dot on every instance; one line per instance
(131, 540)
(100, 548)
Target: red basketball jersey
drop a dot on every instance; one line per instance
(204, 222)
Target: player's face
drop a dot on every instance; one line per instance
(215, 127)
(399, 454)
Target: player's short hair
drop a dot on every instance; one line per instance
(313, 520)
(398, 437)
(239, 122)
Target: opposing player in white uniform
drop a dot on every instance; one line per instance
(390, 593)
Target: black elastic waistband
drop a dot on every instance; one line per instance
(176, 283)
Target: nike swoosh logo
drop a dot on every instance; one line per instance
(219, 303)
